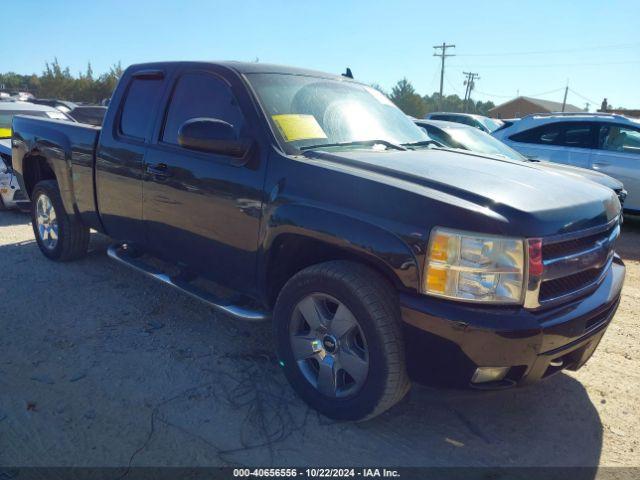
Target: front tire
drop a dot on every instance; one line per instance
(59, 237)
(339, 340)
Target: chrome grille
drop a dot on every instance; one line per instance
(573, 264)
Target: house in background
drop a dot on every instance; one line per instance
(521, 106)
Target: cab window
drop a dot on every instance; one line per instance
(201, 95)
(137, 111)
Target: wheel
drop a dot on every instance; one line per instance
(58, 236)
(339, 340)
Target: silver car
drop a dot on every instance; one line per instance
(456, 135)
(607, 143)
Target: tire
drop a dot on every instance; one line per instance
(376, 340)
(72, 240)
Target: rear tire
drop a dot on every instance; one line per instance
(59, 237)
(366, 364)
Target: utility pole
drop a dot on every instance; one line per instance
(564, 100)
(470, 83)
(442, 55)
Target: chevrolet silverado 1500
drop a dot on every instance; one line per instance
(310, 199)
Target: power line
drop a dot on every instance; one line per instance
(545, 65)
(582, 96)
(442, 55)
(544, 52)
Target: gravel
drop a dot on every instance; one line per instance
(103, 367)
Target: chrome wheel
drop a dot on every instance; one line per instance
(46, 222)
(329, 346)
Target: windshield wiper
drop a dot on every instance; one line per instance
(422, 143)
(355, 144)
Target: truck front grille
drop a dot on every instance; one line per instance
(573, 264)
(571, 283)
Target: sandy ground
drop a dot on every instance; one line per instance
(100, 366)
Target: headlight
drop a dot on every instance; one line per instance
(474, 267)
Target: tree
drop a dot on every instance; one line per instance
(57, 82)
(405, 97)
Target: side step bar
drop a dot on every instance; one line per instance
(119, 253)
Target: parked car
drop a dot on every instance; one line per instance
(456, 135)
(607, 143)
(10, 193)
(315, 201)
(62, 105)
(91, 114)
(11, 196)
(480, 122)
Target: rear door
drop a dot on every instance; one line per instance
(203, 209)
(120, 156)
(618, 155)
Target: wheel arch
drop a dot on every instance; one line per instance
(306, 236)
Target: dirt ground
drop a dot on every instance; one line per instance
(100, 366)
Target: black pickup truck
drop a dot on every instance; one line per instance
(308, 198)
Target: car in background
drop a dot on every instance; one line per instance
(456, 135)
(9, 188)
(62, 105)
(480, 122)
(90, 114)
(10, 194)
(607, 143)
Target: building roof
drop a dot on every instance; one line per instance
(545, 105)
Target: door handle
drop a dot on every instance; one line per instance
(159, 170)
(600, 164)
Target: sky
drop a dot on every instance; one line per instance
(532, 48)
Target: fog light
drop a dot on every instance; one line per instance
(489, 374)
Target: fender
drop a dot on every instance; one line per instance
(372, 243)
(68, 152)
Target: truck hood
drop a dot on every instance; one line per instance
(592, 175)
(515, 192)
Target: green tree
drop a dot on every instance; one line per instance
(405, 97)
(57, 82)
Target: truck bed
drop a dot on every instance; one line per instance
(69, 149)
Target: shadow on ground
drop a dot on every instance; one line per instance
(106, 367)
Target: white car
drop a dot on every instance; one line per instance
(10, 194)
(607, 143)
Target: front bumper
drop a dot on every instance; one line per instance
(447, 341)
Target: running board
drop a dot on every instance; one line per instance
(119, 253)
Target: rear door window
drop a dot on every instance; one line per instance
(139, 105)
(568, 134)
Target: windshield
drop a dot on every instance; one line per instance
(491, 124)
(313, 111)
(6, 117)
(477, 141)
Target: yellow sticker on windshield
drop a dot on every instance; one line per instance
(298, 127)
(5, 133)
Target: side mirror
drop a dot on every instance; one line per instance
(213, 136)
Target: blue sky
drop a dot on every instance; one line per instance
(525, 47)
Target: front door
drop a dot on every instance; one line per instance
(202, 209)
(618, 155)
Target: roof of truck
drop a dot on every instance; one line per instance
(248, 67)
